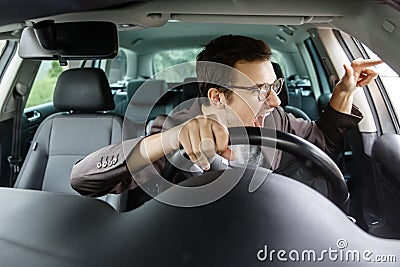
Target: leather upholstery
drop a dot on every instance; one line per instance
(142, 103)
(148, 93)
(133, 86)
(64, 138)
(190, 88)
(284, 96)
(86, 90)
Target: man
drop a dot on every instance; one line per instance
(240, 88)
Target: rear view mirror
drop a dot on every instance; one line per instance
(70, 40)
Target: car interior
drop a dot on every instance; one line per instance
(75, 78)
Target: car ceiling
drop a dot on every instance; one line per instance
(175, 35)
(146, 12)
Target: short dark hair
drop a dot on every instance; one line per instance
(227, 50)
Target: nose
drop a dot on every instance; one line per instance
(273, 100)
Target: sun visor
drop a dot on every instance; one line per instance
(68, 41)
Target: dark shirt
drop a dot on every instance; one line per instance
(105, 171)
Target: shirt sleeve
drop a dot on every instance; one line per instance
(334, 126)
(105, 171)
(328, 131)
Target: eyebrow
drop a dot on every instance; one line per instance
(259, 84)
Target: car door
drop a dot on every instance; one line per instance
(7, 50)
(15, 72)
(385, 151)
(371, 159)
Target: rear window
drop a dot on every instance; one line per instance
(165, 59)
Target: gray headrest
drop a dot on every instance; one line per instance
(149, 92)
(83, 89)
(132, 87)
(283, 95)
(190, 88)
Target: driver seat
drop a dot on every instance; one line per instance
(83, 96)
(284, 96)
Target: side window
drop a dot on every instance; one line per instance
(166, 59)
(117, 67)
(7, 49)
(319, 66)
(390, 80)
(44, 83)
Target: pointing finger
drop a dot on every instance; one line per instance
(362, 63)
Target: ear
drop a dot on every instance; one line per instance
(217, 99)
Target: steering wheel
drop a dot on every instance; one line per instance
(290, 143)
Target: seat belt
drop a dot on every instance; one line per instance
(15, 159)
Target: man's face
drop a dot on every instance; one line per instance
(245, 103)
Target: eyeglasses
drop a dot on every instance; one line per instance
(263, 90)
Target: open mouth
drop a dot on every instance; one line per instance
(259, 120)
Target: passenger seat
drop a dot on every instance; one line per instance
(63, 138)
(190, 91)
(121, 97)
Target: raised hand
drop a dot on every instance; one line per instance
(358, 74)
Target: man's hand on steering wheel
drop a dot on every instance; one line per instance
(203, 137)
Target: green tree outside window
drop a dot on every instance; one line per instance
(44, 84)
